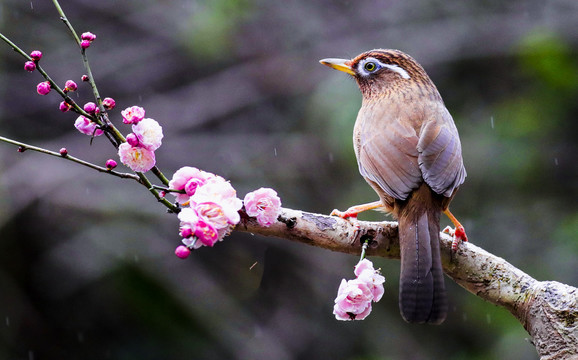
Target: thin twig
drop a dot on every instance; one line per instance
(24, 146)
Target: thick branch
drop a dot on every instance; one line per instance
(548, 310)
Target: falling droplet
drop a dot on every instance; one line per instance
(489, 318)
(556, 161)
(275, 150)
(80, 336)
(330, 157)
(136, 259)
(7, 321)
(492, 121)
(31, 355)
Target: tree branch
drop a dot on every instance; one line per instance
(548, 310)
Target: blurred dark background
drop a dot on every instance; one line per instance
(87, 269)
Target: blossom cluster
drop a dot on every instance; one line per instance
(211, 207)
(138, 152)
(354, 297)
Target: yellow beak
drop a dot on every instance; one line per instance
(339, 64)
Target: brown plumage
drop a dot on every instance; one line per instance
(409, 151)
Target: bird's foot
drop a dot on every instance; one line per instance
(459, 235)
(344, 214)
(353, 211)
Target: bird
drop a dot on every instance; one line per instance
(409, 151)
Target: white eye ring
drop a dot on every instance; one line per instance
(361, 68)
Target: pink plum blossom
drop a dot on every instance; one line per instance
(137, 158)
(133, 114)
(90, 107)
(36, 55)
(43, 88)
(354, 297)
(353, 300)
(85, 44)
(30, 66)
(132, 139)
(110, 164)
(70, 85)
(108, 103)
(88, 36)
(206, 233)
(64, 106)
(149, 133)
(219, 191)
(86, 126)
(188, 178)
(182, 252)
(366, 273)
(264, 204)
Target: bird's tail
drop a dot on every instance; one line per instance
(422, 293)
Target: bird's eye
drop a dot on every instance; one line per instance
(370, 66)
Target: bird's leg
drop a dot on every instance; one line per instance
(353, 211)
(459, 233)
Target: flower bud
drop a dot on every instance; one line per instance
(29, 66)
(108, 103)
(88, 36)
(110, 164)
(186, 232)
(70, 85)
(84, 78)
(85, 44)
(90, 107)
(132, 140)
(182, 252)
(36, 55)
(43, 88)
(64, 106)
(63, 152)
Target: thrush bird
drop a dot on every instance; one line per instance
(408, 149)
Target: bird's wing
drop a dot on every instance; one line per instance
(389, 157)
(440, 153)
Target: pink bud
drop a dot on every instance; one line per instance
(43, 88)
(90, 107)
(108, 103)
(84, 78)
(88, 36)
(182, 252)
(110, 164)
(162, 193)
(36, 55)
(132, 140)
(64, 106)
(21, 149)
(29, 66)
(70, 85)
(84, 44)
(186, 232)
(63, 152)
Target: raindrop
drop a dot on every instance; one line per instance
(136, 259)
(556, 161)
(275, 150)
(330, 157)
(7, 321)
(31, 6)
(492, 121)
(489, 318)
(31, 355)
(80, 337)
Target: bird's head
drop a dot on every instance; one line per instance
(379, 72)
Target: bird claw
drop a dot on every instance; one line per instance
(344, 214)
(459, 235)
